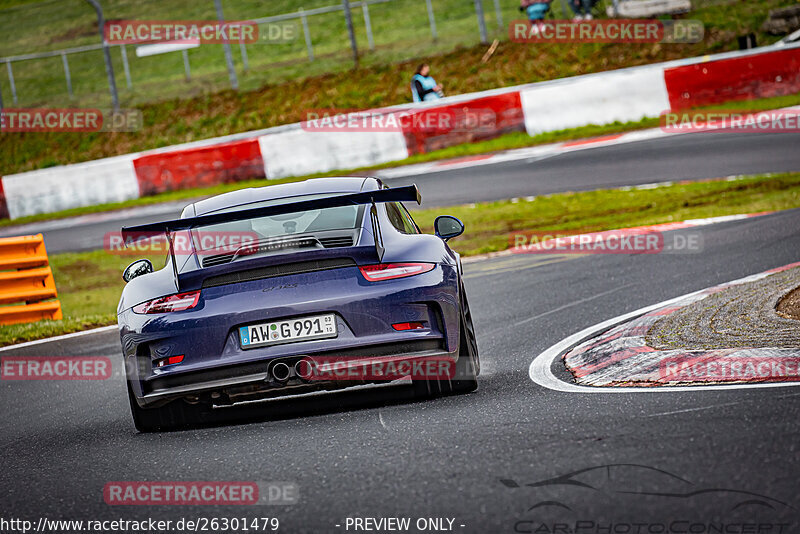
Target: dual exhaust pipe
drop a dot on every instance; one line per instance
(281, 372)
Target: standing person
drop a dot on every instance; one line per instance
(423, 86)
(582, 8)
(536, 11)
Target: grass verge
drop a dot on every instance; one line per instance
(505, 142)
(89, 283)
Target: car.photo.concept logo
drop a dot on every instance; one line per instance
(641, 499)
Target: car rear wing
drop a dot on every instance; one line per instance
(134, 234)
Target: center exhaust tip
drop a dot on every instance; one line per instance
(280, 371)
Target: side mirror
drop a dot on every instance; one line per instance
(448, 227)
(137, 268)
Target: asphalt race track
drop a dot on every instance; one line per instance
(684, 157)
(732, 455)
(693, 156)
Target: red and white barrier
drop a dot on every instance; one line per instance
(70, 186)
(623, 95)
(746, 77)
(199, 167)
(296, 152)
(619, 96)
(480, 117)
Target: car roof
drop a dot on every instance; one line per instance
(241, 197)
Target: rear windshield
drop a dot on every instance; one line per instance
(276, 227)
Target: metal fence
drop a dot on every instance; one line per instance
(329, 37)
(459, 21)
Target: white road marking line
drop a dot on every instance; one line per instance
(699, 408)
(565, 306)
(540, 371)
(61, 338)
(380, 418)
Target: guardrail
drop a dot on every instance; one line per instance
(26, 278)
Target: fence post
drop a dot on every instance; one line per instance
(431, 19)
(125, 66)
(499, 14)
(112, 83)
(348, 19)
(227, 47)
(66, 72)
(11, 83)
(481, 21)
(187, 69)
(307, 35)
(367, 24)
(565, 10)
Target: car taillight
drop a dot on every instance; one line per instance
(408, 326)
(170, 303)
(172, 360)
(388, 271)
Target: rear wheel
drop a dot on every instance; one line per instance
(175, 415)
(469, 364)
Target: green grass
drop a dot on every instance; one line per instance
(490, 224)
(89, 283)
(400, 30)
(505, 142)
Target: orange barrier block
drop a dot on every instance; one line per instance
(26, 281)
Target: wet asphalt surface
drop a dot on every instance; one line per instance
(665, 460)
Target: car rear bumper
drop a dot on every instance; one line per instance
(228, 385)
(206, 338)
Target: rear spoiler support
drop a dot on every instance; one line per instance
(173, 260)
(376, 231)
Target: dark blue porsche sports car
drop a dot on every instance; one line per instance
(289, 289)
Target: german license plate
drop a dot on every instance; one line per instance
(288, 331)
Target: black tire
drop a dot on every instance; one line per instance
(173, 416)
(467, 367)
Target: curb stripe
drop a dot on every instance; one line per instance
(540, 370)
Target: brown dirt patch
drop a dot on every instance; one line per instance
(789, 305)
